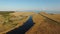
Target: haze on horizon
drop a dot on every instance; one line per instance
(19, 5)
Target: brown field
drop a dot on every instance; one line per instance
(24, 16)
(23, 13)
(44, 25)
(55, 17)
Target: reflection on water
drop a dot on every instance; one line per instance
(22, 29)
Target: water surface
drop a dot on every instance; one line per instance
(24, 28)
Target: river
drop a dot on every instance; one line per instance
(24, 28)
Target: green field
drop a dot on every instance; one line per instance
(5, 13)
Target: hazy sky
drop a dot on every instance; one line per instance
(30, 5)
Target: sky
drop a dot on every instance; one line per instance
(18, 5)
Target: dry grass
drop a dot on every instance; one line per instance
(37, 19)
(20, 17)
(8, 27)
(23, 13)
(43, 26)
(55, 17)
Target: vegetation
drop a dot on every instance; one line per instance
(9, 21)
(5, 13)
(44, 26)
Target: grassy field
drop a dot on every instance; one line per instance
(10, 18)
(43, 26)
(5, 13)
(55, 17)
(37, 19)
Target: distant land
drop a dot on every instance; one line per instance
(37, 11)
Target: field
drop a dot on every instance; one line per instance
(12, 20)
(43, 23)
